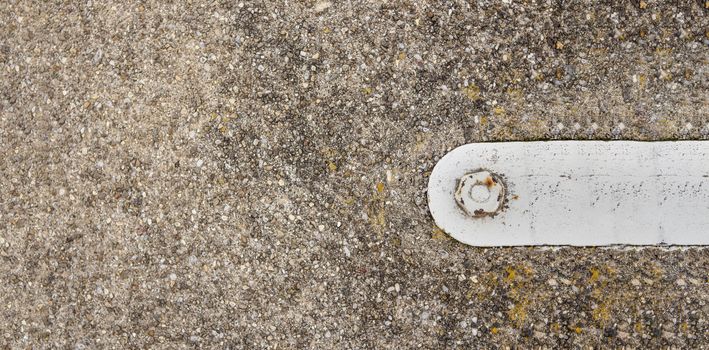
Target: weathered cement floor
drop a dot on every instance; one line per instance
(227, 174)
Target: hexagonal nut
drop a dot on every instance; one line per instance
(480, 193)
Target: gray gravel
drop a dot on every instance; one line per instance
(226, 174)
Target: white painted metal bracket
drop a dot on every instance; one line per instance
(578, 193)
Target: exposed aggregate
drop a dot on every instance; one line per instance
(225, 174)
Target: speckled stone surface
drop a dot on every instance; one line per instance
(225, 174)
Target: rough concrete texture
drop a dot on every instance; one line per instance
(226, 174)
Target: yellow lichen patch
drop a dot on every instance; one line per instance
(518, 313)
(332, 167)
(559, 73)
(472, 91)
(657, 271)
(642, 4)
(380, 219)
(515, 94)
(518, 75)
(367, 90)
(518, 278)
(438, 234)
(376, 211)
(601, 313)
(483, 121)
(526, 270)
(688, 73)
(598, 51)
(329, 152)
(595, 275)
(639, 327)
(604, 297)
(667, 126)
(663, 51)
(555, 327)
(494, 330)
(499, 110)
(482, 287)
(642, 80)
(326, 30)
(377, 217)
(536, 127)
(422, 142)
(511, 274)
(577, 330)
(399, 58)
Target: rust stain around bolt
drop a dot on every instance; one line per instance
(479, 208)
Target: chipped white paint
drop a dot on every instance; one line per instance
(580, 193)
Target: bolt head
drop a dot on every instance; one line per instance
(480, 193)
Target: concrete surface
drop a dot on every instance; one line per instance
(225, 174)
